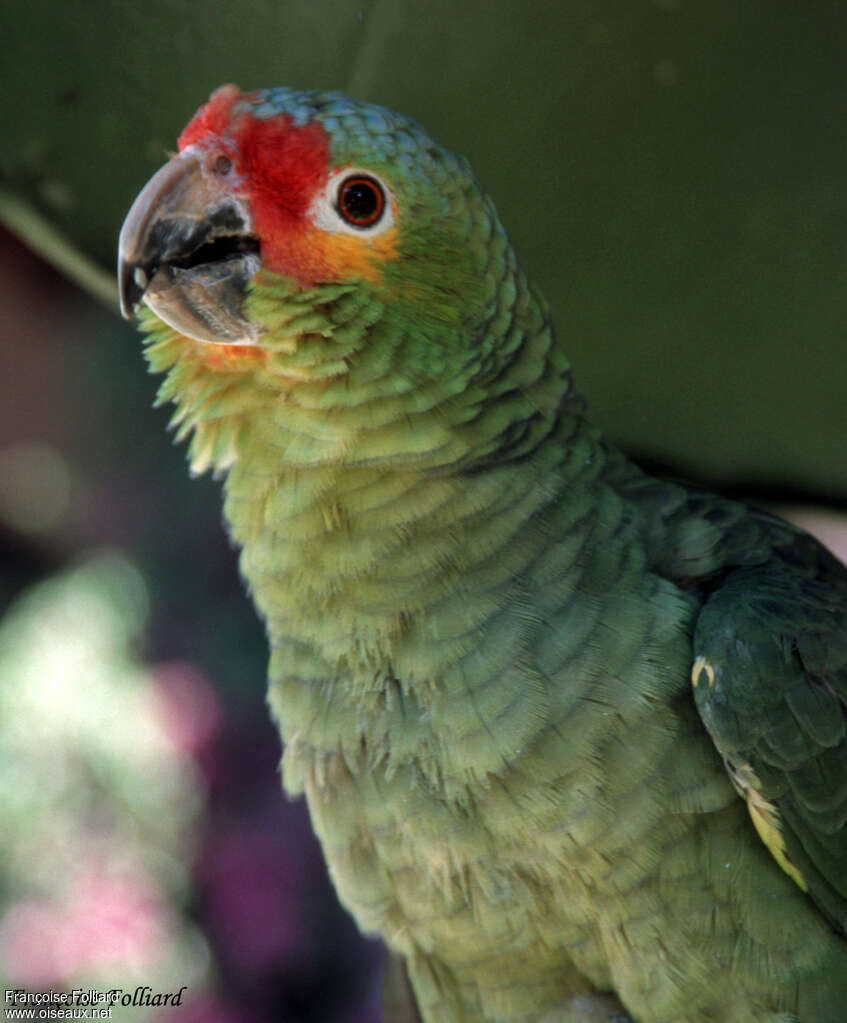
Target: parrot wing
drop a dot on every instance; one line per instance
(770, 684)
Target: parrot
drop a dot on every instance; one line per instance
(572, 737)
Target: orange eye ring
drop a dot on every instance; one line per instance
(361, 200)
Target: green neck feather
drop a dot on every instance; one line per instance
(388, 486)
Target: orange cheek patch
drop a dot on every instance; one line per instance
(228, 357)
(314, 256)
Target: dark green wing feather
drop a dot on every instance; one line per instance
(770, 684)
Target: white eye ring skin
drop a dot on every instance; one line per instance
(324, 213)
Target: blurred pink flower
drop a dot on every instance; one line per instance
(28, 942)
(187, 704)
(103, 924)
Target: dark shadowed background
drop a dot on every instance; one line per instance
(672, 174)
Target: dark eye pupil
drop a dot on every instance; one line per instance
(361, 201)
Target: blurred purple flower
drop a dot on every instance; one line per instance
(254, 884)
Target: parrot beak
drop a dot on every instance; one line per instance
(187, 250)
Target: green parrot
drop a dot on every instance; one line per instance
(572, 737)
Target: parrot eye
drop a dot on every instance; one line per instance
(361, 200)
(354, 201)
(223, 164)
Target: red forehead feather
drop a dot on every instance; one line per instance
(212, 118)
(282, 165)
(285, 165)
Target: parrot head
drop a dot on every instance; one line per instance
(315, 189)
(342, 259)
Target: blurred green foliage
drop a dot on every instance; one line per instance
(671, 172)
